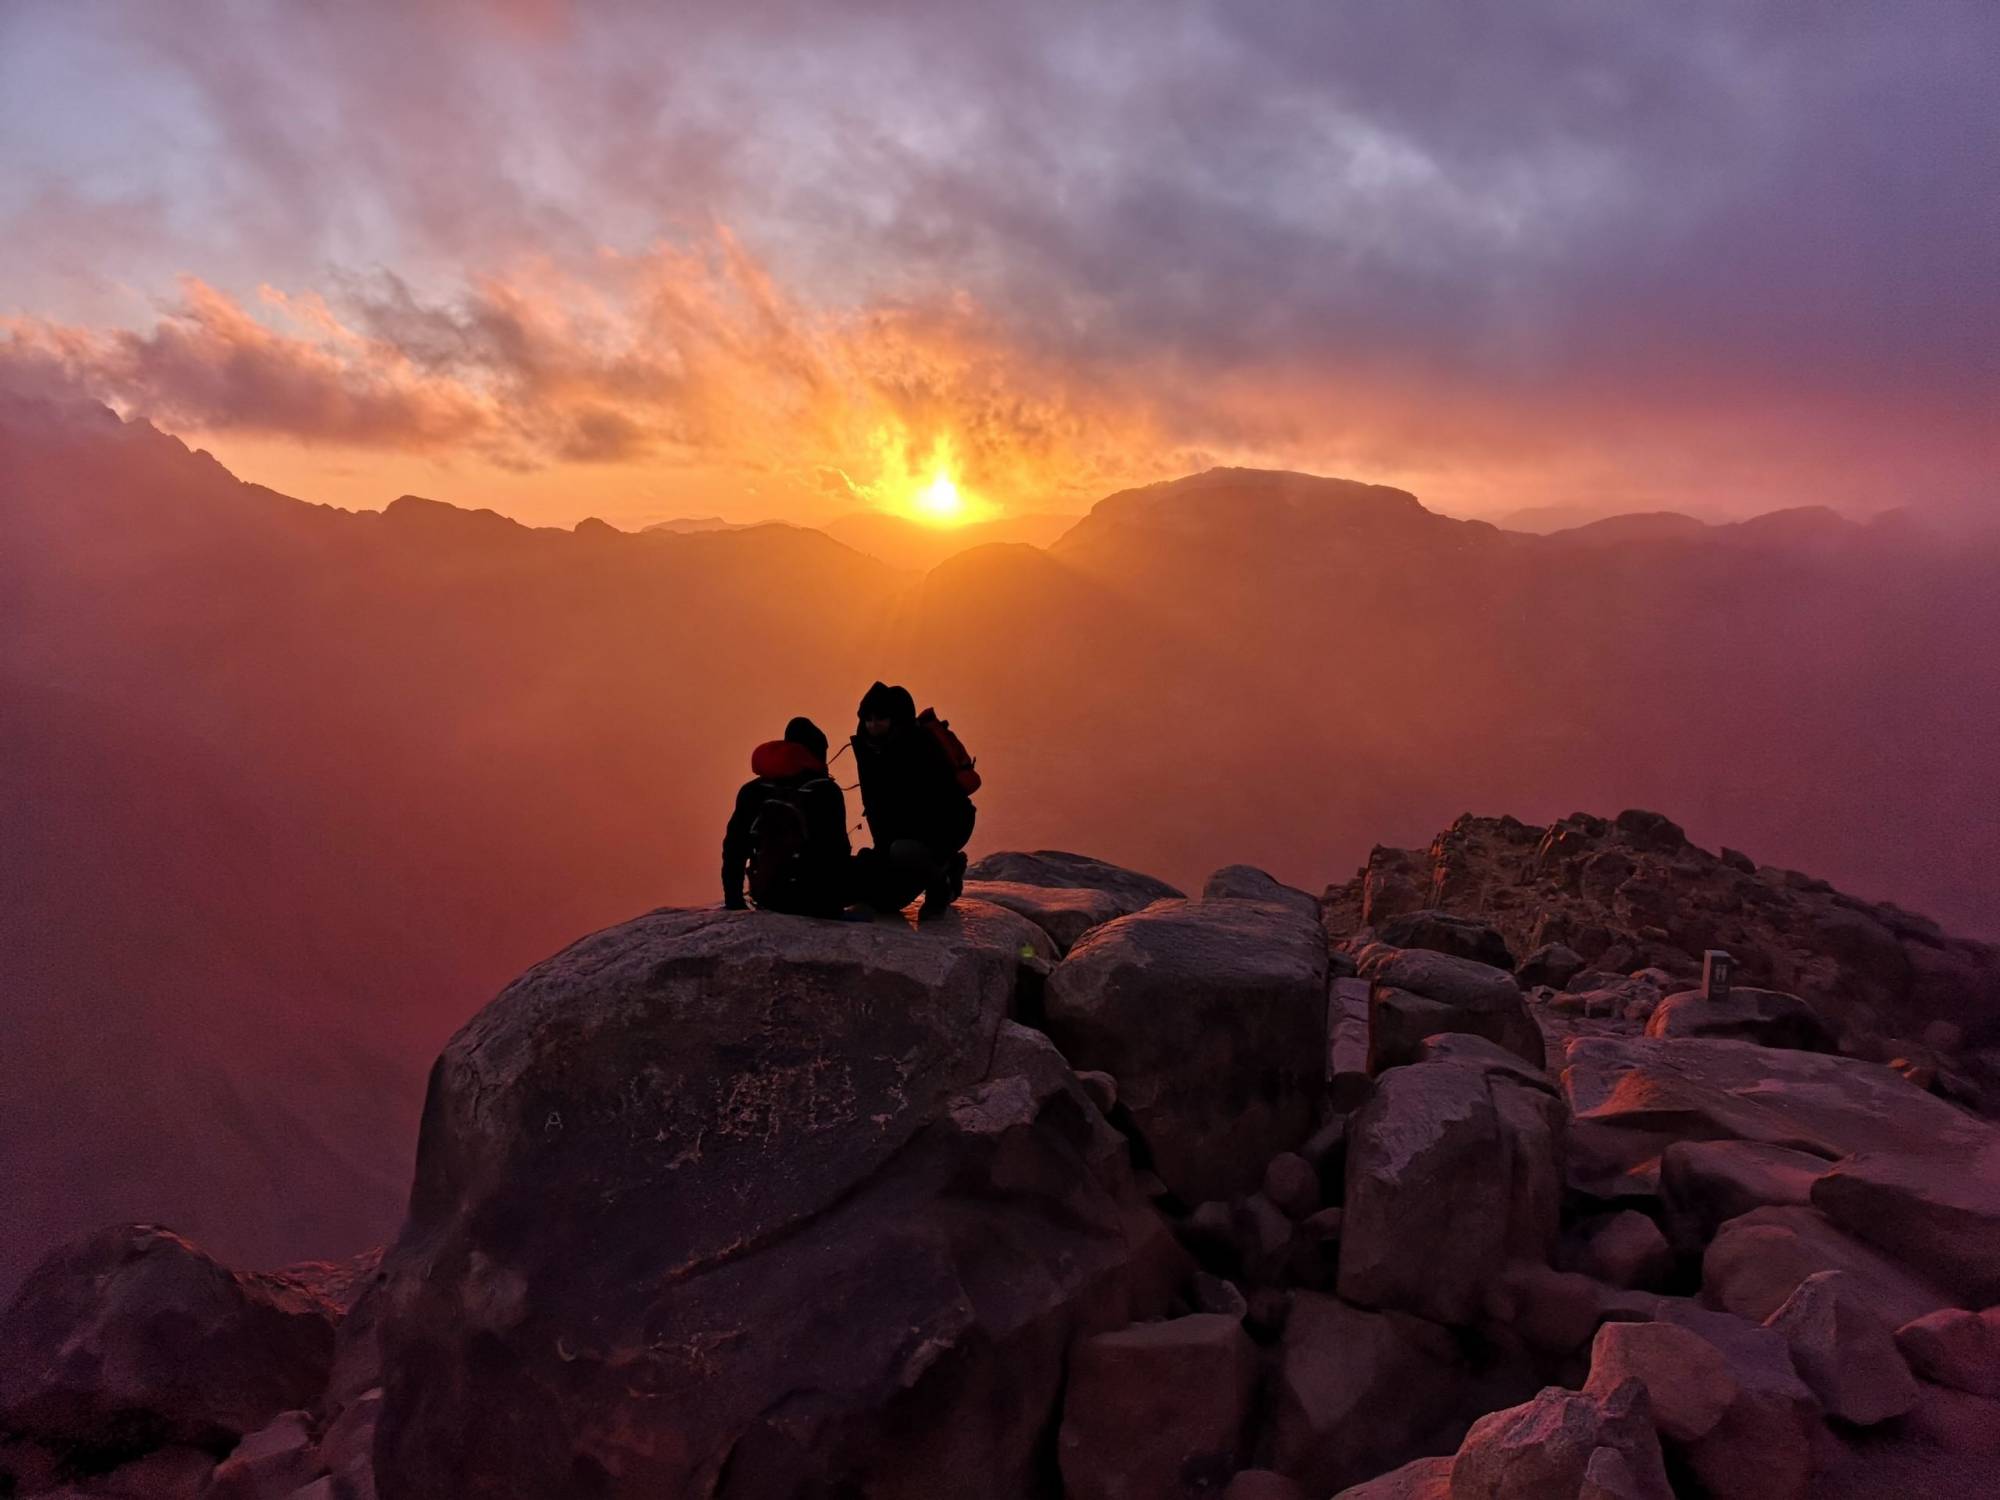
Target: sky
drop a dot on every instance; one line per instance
(791, 259)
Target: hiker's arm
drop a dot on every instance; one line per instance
(736, 850)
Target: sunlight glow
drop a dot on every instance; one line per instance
(930, 492)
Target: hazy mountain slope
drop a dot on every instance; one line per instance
(308, 785)
(912, 545)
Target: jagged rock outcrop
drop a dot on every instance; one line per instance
(1211, 1014)
(738, 1205)
(1631, 892)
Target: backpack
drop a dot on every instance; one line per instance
(779, 835)
(962, 765)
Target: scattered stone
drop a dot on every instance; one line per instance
(1762, 1447)
(132, 1338)
(1554, 1312)
(1446, 932)
(1348, 1081)
(1356, 1391)
(1955, 1347)
(1451, 1176)
(1292, 1184)
(1704, 1184)
(1770, 1018)
(1934, 1211)
(1218, 1294)
(1248, 883)
(1419, 1479)
(1686, 1378)
(1552, 964)
(1632, 1097)
(1102, 1088)
(275, 1460)
(1543, 1449)
(1758, 1260)
(1629, 1251)
(1157, 1409)
(1416, 993)
(1262, 1484)
(1212, 1017)
(1263, 1237)
(1844, 1351)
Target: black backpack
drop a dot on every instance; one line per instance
(779, 837)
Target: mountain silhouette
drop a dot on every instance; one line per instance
(306, 786)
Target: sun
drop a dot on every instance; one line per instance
(940, 501)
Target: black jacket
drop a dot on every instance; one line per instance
(909, 790)
(803, 776)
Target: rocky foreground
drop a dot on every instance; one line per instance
(1451, 1182)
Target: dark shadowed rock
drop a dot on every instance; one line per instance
(1419, 1479)
(1706, 1183)
(1758, 1260)
(1955, 1347)
(1248, 883)
(277, 1459)
(1156, 1410)
(648, 1165)
(1416, 993)
(1552, 964)
(1543, 1449)
(1628, 1250)
(1452, 1172)
(1446, 932)
(1936, 1211)
(1212, 1017)
(1481, 1053)
(1053, 867)
(1356, 1391)
(1770, 1018)
(1844, 1351)
(1958, 1422)
(1687, 1379)
(1065, 913)
(131, 1339)
(1762, 1447)
(1632, 1097)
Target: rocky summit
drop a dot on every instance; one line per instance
(1458, 1182)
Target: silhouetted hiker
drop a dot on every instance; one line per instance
(789, 829)
(916, 793)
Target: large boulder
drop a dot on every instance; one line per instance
(1065, 913)
(1758, 1260)
(1688, 1381)
(1935, 1211)
(1357, 1391)
(1453, 1171)
(1845, 1353)
(1157, 1410)
(1761, 1448)
(742, 1204)
(1248, 883)
(132, 1338)
(1549, 1449)
(1704, 1184)
(1448, 932)
(1632, 1097)
(1416, 993)
(1770, 1018)
(1212, 1016)
(1955, 1347)
(1053, 867)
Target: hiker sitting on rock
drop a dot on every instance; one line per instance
(789, 830)
(916, 793)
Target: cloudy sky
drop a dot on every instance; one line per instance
(775, 258)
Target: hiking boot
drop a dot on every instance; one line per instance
(946, 888)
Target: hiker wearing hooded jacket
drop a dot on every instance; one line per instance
(919, 815)
(789, 830)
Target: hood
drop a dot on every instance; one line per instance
(892, 703)
(774, 760)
